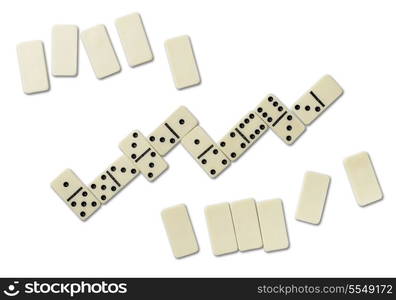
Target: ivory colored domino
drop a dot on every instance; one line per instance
(179, 230)
(134, 39)
(146, 159)
(316, 100)
(221, 229)
(75, 194)
(363, 180)
(243, 135)
(64, 50)
(205, 152)
(110, 182)
(182, 62)
(175, 127)
(100, 51)
(273, 225)
(246, 224)
(280, 119)
(33, 67)
(313, 197)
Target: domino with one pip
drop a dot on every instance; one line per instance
(146, 159)
(75, 194)
(316, 100)
(175, 127)
(205, 152)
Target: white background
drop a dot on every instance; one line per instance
(245, 49)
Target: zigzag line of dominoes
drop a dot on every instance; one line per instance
(145, 155)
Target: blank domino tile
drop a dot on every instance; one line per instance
(313, 197)
(134, 39)
(100, 51)
(64, 50)
(221, 229)
(362, 177)
(182, 62)
(179, 230)
(273, 225)
(33, 67)
(315, 101)
(76, 195)
(247, 228)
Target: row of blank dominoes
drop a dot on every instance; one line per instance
(239, 226)
(145, 154)
(101, 54)
(246, 225)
